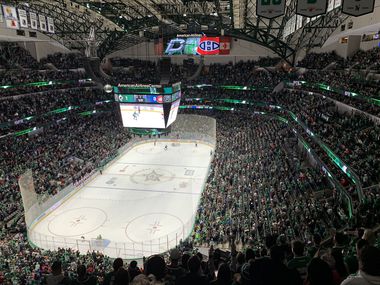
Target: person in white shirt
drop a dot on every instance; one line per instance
(369, 268)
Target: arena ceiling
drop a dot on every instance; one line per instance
(123, 23)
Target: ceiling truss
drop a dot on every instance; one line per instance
(123, 23)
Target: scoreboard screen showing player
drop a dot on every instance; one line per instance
(142, 115)
(148, 106)
(194, 44)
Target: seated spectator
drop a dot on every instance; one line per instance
(173, 269)
(185, 258)
(224, 275)
(318, 273)
(133, 270)
(316, 245)
(195, 275)
(83, 277)
(155, 268)
(280, 273)
(299, 261)
(121, 277)
(110, 277)
(56, 277)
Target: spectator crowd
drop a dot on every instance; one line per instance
(281, 219)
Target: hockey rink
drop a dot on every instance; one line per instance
(143, 203)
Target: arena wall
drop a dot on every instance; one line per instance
(39, 46)
(367, 24)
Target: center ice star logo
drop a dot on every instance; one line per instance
(152, 176)
(154, 227)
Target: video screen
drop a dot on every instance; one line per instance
(198, 45)
(173, 112)
(142, 116)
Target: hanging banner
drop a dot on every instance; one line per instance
(270, 8)
(51, 28)
(10, 15)
(23, 18)
(358, 7)
(33, 20)
(311, 8)
(1, 15)
(42, 19)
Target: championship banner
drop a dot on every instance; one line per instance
(42, 19)
(311, 8)
(10, 15)
(1, 15)
(33, 20)
(23, 18)
(51, 28)
(270, 8)
(358, 7)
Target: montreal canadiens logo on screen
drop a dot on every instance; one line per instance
(208, 46)
(158, 99)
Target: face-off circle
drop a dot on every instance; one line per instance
(77, 222)
(153, 226)
(152, 176)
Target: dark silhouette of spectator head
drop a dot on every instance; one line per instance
(360, 244)
(185, 258)
(339, 263)
(317, 239)
(339, 238)
(81, 271)
(240, 258)
(270, 241)
(118, 263)
(298, 248)
(133, 270)
(194, 264)
(277, 254)
(133, 264)
(249, 254)
(156, 265)
(224, 274)
(360, 232)
(56, 267)
(369, 260)
(121, 277)
(174, 255)
(369, 236)
(261, 271)
(319, 273)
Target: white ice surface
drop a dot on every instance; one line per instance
(142, 204)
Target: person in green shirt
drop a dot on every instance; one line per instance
(299, 261)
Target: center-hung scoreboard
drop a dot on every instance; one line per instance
(148, 106)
